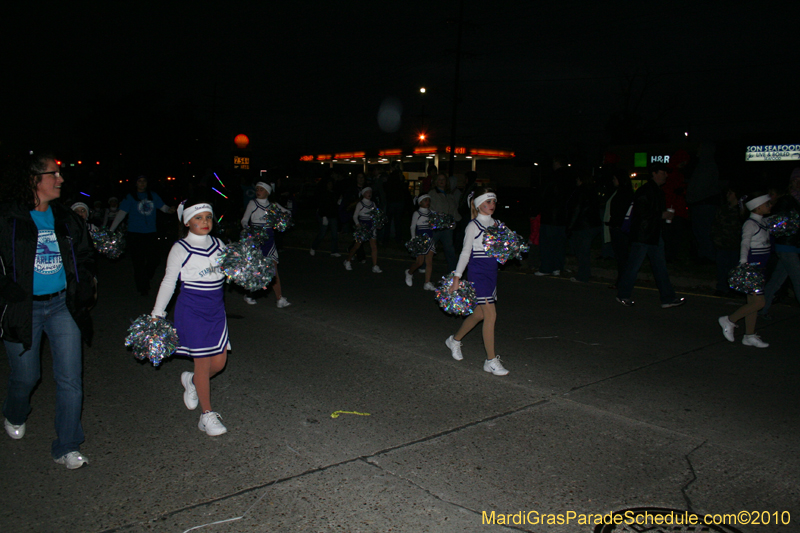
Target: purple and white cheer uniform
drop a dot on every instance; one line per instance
(200, 309)
(756, 243)
(481, 268)
(363, 215)
(420, 225)
(255, 214)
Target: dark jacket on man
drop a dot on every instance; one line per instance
(646, 216)
(19, 237)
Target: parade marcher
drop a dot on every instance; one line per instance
(200, 309)
(46, 281)
(83, 211)
(142, 239)
(110, 211)
(755, 250)
(362, 217)
(648, 213)
(420, 226)
(443, 201)
(482, 272)
(255, 214)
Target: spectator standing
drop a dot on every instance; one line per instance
(726, 232)
(702, 197)
(327, 216)
(616, 209)
(676, 233)
(553, 231)
(396, 192)
(647, 217)
(584, 224)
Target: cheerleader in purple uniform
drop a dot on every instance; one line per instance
(255, 214)
(362, 217)
(755, 249)
(421, 226)
(482, 272)
(199, 310)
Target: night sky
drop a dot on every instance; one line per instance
(306, 77)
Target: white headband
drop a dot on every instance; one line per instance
(187, 214)
(365, 189)
(80, 204)
(482, 198)
(757, 201)
(422, 197)
(265, 186)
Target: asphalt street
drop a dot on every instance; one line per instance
(605, 408)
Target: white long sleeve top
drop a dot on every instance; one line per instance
(419, 220)
(363, 210)
(194, 259)
(755, 237)
(255, 213)
(473, 241)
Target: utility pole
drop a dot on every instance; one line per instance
(455, 90)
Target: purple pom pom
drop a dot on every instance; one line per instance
(746, 278)
(503, 244)
(244, 264)
(108, 243)
(419, 245)
(783, 224)
(441, 221)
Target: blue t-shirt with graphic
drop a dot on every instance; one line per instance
(141, 211)
(48, 271)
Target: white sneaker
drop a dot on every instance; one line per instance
(754, 340)
(251, 301)
(540, 273)
(429, 286)
(336, 255)
(73, 460)
(495, 366)
(283, 302)
(455, 348)
(312, 252)
(409, 279)
(421, 270)
(189, 392)
(211, 424)
(376, 269)
(14, 431)
(347, 265)
(556, 272)
(727, 327)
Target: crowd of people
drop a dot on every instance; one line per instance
(48, 282)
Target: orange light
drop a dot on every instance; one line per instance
(459, 150)
(491, 153)
(80, 162)
(241, 141)
(421, 136)
(426, 150)
(348, 155)
(386, 153)
(97, 162)
(324, 157)
(58, 162)
(306, 158)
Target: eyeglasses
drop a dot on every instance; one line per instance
(56, 173)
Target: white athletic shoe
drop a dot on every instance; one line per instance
(73, 460)
(347, 265)
(495, 366)
(376, 269)
(248, 299)
(14, 431)
(189, 392)
(312, 252)
(727, 327)
(429, 286)
(455, 348)
(421, 270)
(283, 302)
(409, 279)
(754, 340)
(211, 424)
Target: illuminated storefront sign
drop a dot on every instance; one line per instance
(241, 162)
(640, 159)
(773, 152)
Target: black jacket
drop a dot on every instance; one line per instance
(555, 196)
(648, 207)
(582, 209)
(619, 206)
(18, 243)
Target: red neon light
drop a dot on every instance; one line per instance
(426, 150)
(491, 153)
(349, 155)
(390, 152)
(459, 150)
(306, 158)
(323, 157)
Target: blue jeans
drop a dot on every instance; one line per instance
(51, 317)
(333, 225)
(636, 257)
(445, 236)
(552, 247)
(582, 246)
(788, 266)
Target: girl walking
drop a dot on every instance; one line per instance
(755, 249)
(256, 215)
(200, 309)
(420, 226)
(361, 217)
(482, 272)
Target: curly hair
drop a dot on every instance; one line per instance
(21, 175)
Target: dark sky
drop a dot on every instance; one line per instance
(311, 76)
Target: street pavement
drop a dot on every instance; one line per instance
(605, 408)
